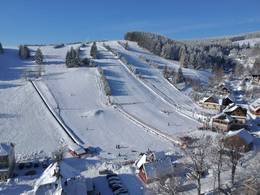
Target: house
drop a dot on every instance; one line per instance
(153, 166)
(222, 122)
(241, 139)
(238, 113)
(254, 108)
(256, 78)
(227, 100)
(7, 160)
(77, 150)
(223, 89)
(59, 179)
(211, 102)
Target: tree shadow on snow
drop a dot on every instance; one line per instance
(8, 85)
(11, 65)
(117, 87)
(53, 62)
(111, 73)
(7, 116)
(129, 181)
(16, 189)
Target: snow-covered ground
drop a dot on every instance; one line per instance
(24, 120)
(144, 112)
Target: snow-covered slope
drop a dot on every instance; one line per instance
(24, 120)
(141, 107)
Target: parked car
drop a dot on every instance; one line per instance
(121, 191)
(31, 172)
(111, 183)
(28, 165)
(36, 164)
(45, 164)
(111, 175)
(21, 165)
(113, 178)
(116, 187)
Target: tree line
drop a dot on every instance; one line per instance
(191, 54)
(73, 57)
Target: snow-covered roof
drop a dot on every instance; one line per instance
(5, 149)
(244, 134)
(150, 157)
(255, 105)
(223, 117)
(231, 107)
(158, 169)
(49, 176)
(215, 99)
(141, 161)
(49, 183)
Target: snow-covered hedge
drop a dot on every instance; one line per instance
(104, 81)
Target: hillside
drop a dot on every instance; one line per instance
(77, 96)
(198, 54)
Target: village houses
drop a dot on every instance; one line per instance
(254, 108)
(7, 160)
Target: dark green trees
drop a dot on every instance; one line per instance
(24, 52)
(93, 50)
(72, 58)
(38, 56)
(1, 49)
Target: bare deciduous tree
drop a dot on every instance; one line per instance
(234, 156)
(198, 152)
(217, 159)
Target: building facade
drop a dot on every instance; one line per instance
(7, 160)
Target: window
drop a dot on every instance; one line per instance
(3, 162)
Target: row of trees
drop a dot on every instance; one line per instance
(214, 153)
(206, 153)
(93, 50)
(24, 53)
(174, 76)
(73, 57)
(105, 83)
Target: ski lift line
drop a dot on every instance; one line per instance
(69, 132)
(151, 90)
(146, 126)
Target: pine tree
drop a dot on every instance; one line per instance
(93, 50)
(165, 72)
(38, 56)
(24, 52)
(256, 67)
(1, 49)
(179, 78)
(72, 58)
(126, 45)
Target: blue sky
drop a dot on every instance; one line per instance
(51, 21)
